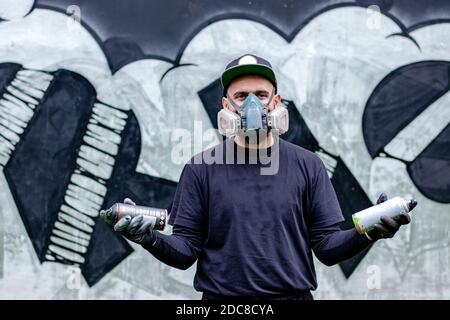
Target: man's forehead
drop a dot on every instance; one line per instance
(249, 83)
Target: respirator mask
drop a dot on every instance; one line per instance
(252, 117)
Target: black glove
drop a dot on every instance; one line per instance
(388, 226)
(137, 229)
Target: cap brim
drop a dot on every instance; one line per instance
(229, 75)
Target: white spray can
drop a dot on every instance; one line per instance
(365, 220)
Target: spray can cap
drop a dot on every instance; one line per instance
(411, 204)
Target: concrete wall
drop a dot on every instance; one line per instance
(86, 120)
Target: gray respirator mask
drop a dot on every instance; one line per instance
(252, 117)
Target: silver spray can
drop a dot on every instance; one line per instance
(120, 210)
(365, 220)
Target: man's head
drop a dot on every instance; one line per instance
(245, 75)
(251, 104)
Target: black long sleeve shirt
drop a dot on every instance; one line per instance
(182, 248)
(253, 232)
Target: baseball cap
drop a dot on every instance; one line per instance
(247, 64)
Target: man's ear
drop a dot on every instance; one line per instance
(277, 99)
(225, 102)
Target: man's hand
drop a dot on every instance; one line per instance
(388, 226)
(136, 229)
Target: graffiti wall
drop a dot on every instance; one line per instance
(96, 99)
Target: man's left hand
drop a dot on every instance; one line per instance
(388, 226)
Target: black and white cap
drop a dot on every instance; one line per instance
(244, 65)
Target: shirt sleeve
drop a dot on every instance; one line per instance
(324, 208)
(179, 250)
(332, 245)
(187, 216)
(188, 207)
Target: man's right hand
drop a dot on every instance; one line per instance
(137, 229)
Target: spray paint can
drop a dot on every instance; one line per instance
(120, 210)
(365, 220)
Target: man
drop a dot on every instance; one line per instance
(253, 234)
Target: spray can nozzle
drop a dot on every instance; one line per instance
(412, 204)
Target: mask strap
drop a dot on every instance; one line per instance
(233, 103)
(271, 96)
